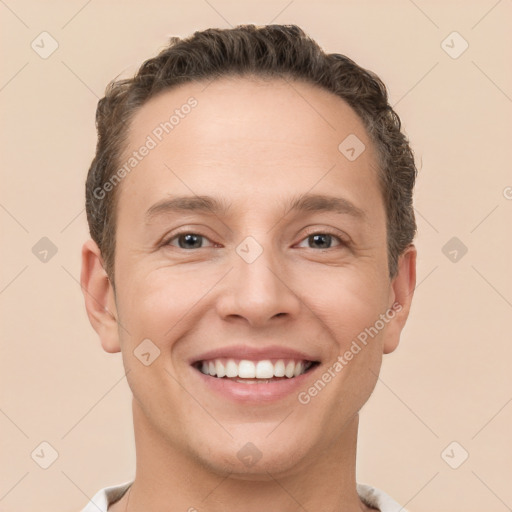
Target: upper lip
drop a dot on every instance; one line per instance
(254, 353)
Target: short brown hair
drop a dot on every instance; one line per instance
(275, 51)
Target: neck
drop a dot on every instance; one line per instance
(326, 481)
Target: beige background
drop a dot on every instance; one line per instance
(450, 378)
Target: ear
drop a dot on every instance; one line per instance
(401, 293)
(99, 297)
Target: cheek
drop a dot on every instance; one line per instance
(355, 309)
(160, 303)
(346, 301)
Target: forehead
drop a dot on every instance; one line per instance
(231, 109)
(247, 137)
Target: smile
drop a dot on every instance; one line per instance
(248, 371)
(254, 375)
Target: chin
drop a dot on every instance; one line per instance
(254, 457)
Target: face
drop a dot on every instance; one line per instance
(248, 244)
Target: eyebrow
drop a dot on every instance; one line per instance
(214, 206)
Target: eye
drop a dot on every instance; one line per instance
(187, 240)
(323, 240)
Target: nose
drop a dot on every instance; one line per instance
(258, 292)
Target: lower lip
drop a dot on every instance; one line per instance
(256, 391)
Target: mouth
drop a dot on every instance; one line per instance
(248, 371)
(247, 374)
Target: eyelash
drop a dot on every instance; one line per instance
(312, 232)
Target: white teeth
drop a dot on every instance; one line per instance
(290, 369)
(279, 368)
(262, 370)
(219, 369)
(246, 369)
(231, 369)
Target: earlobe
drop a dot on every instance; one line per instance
(402, 291)
(99, 297)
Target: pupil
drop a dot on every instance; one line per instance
(190, 238)
(322, 239)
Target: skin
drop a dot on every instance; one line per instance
(257, 144)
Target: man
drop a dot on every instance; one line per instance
(250, 207)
